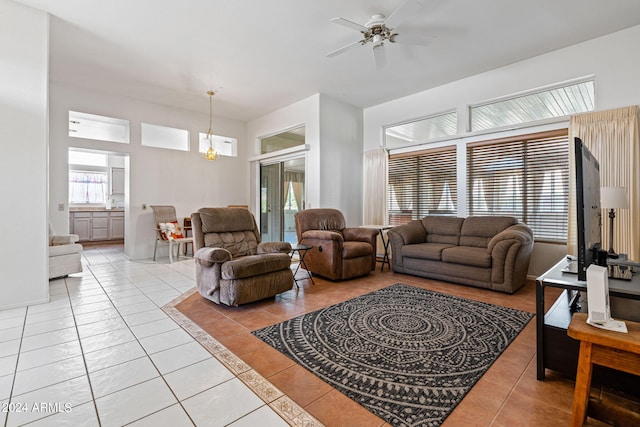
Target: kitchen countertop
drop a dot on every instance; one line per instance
(93, 209)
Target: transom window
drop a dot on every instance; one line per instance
(164, 137)
(101, 128)
(557, 102)
(421, 131)
(224, 145)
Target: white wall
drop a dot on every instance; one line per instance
(341, 158)
(612, 59)
(24, 49)
(156, 176)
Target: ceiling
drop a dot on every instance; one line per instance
(263, 55)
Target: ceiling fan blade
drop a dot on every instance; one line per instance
(350, 24)
(380, 56)
(408, 8)
(344, 49)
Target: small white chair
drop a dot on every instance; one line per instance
(162, 215)
(64, 254)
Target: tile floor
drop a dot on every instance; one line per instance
(103, 353)
(507, 395)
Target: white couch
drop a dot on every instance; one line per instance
(64, 254)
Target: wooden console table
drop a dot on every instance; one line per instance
(614, 350)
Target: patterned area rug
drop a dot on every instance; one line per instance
(406, 354)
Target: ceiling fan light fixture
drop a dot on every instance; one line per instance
(210, 153)
(378, 29)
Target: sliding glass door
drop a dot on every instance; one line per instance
(281, 196)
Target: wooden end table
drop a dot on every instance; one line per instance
(614, 350)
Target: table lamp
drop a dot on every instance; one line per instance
(613, 198)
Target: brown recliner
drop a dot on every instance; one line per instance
(232, 265)
(337, 252)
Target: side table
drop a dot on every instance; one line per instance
(385, 242)
(186, 226)
(615, 350)
(301, 250)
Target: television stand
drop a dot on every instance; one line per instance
(555, 349)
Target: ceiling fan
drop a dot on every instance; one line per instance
(378, 30)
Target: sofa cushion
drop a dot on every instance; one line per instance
(254, 265)
(356, 249)
(431, 251)
(477, 231)
(477, 257)
(442, 229)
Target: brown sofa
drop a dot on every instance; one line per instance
(232, 266)
(485, 251)
(338, 252)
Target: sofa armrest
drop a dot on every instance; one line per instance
(510, 254)
(409, 233)
(518, 233)
(209, 256)
(360, 234)
(64, 239)
(322, 235)
(274, 247)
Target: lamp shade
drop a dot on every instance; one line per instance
(613, 198)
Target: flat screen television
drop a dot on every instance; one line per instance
(589, 215)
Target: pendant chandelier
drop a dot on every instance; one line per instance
(210, 154)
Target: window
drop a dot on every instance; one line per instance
(560, 101)
(87, 187)
(165, 137)
(224, 145)
(422, 183)
(526, 177)
(282, 141)
(290, 203)
(421, 131)
(102, 128)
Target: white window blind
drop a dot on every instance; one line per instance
(526, 177)
(422, 183)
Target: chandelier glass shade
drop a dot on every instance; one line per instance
(210, 153)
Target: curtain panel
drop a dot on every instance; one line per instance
(376, 166)
(612, 136)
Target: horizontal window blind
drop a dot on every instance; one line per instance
(526, 177)
(422, 183)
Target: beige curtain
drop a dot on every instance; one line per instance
(297, 181)
(376, 166)
(612, 137)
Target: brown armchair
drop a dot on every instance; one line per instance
(337, 252)
(232, 265)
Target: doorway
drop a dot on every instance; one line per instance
(97, 195)
(281, 196)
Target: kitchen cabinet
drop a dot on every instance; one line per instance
(116, 225)
(117, 181)
(81, 225)
(97, 225)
